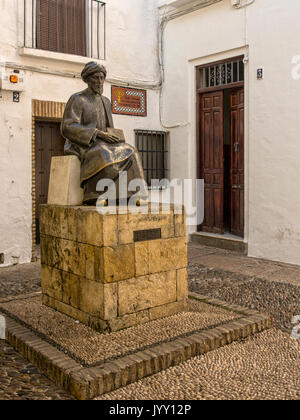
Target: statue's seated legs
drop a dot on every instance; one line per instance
(131, 167)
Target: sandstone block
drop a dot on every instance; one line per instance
(142, 317)
(117, 263)
(167, 310)
(71, 257)
(89, 257)
(70, 218)
(91, 297)
(98, 324)
(168, 231)
(110, 301)
(110, 230)
(131, 222)
(52, 282)
(71, 286)
(122, 323)
(52, 223)
(95, 229)
(141, 258)
(125, 236)
(141, 293)
(46, 250)
(72, 312)
(44, 220)
(179, 215)
(167, 254)
(180, 230)
(68, 256)
(88, 225)
(182, 284)
(46, 300)
(58, 221)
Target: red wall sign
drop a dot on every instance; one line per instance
(128, 101)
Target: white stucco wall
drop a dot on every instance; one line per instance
(132, 57)
(267, 31)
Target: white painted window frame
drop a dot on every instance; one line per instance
(27, 38)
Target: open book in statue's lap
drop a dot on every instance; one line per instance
(87, 127)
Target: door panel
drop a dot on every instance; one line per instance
(237, 161)
(48, 143)
(212, 163)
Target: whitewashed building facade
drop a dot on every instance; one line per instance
(222, 78)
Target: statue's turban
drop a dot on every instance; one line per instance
(92, 68)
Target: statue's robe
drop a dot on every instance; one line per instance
(85, 114)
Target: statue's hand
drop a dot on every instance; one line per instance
(108, 138)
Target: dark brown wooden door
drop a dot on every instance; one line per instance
(237, 161)
(48, 143)
(212, 161)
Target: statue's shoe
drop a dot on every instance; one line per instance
(141, 202)
(102, 203)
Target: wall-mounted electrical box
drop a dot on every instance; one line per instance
(12, 80)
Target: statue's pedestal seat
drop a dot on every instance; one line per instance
(64, 184)
(113, 271)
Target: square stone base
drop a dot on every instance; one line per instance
(106, 270)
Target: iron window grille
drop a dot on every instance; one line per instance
(221, 74)
(67, 26)
(153, 149)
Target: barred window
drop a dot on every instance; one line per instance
(153, 149)
(222, 74)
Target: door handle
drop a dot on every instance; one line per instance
(236, 147)
(236, 187)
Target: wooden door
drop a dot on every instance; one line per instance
(48, 142)
(237, 161)
(212, 161)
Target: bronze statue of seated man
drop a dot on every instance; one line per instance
(103, 155)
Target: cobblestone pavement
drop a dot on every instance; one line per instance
(268, 287)
(20, 279)
(18, 379)
(21, 381)
(262, 367)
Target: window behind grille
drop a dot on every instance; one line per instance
(221, 74)
(61, 26)
(153, 149)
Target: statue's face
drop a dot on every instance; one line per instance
(96, 82)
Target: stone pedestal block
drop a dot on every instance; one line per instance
(64, 184)
(113, 271)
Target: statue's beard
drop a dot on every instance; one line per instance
(98, 89)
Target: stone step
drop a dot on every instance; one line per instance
(228, 242)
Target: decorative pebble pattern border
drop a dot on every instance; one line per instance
(88, 383)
